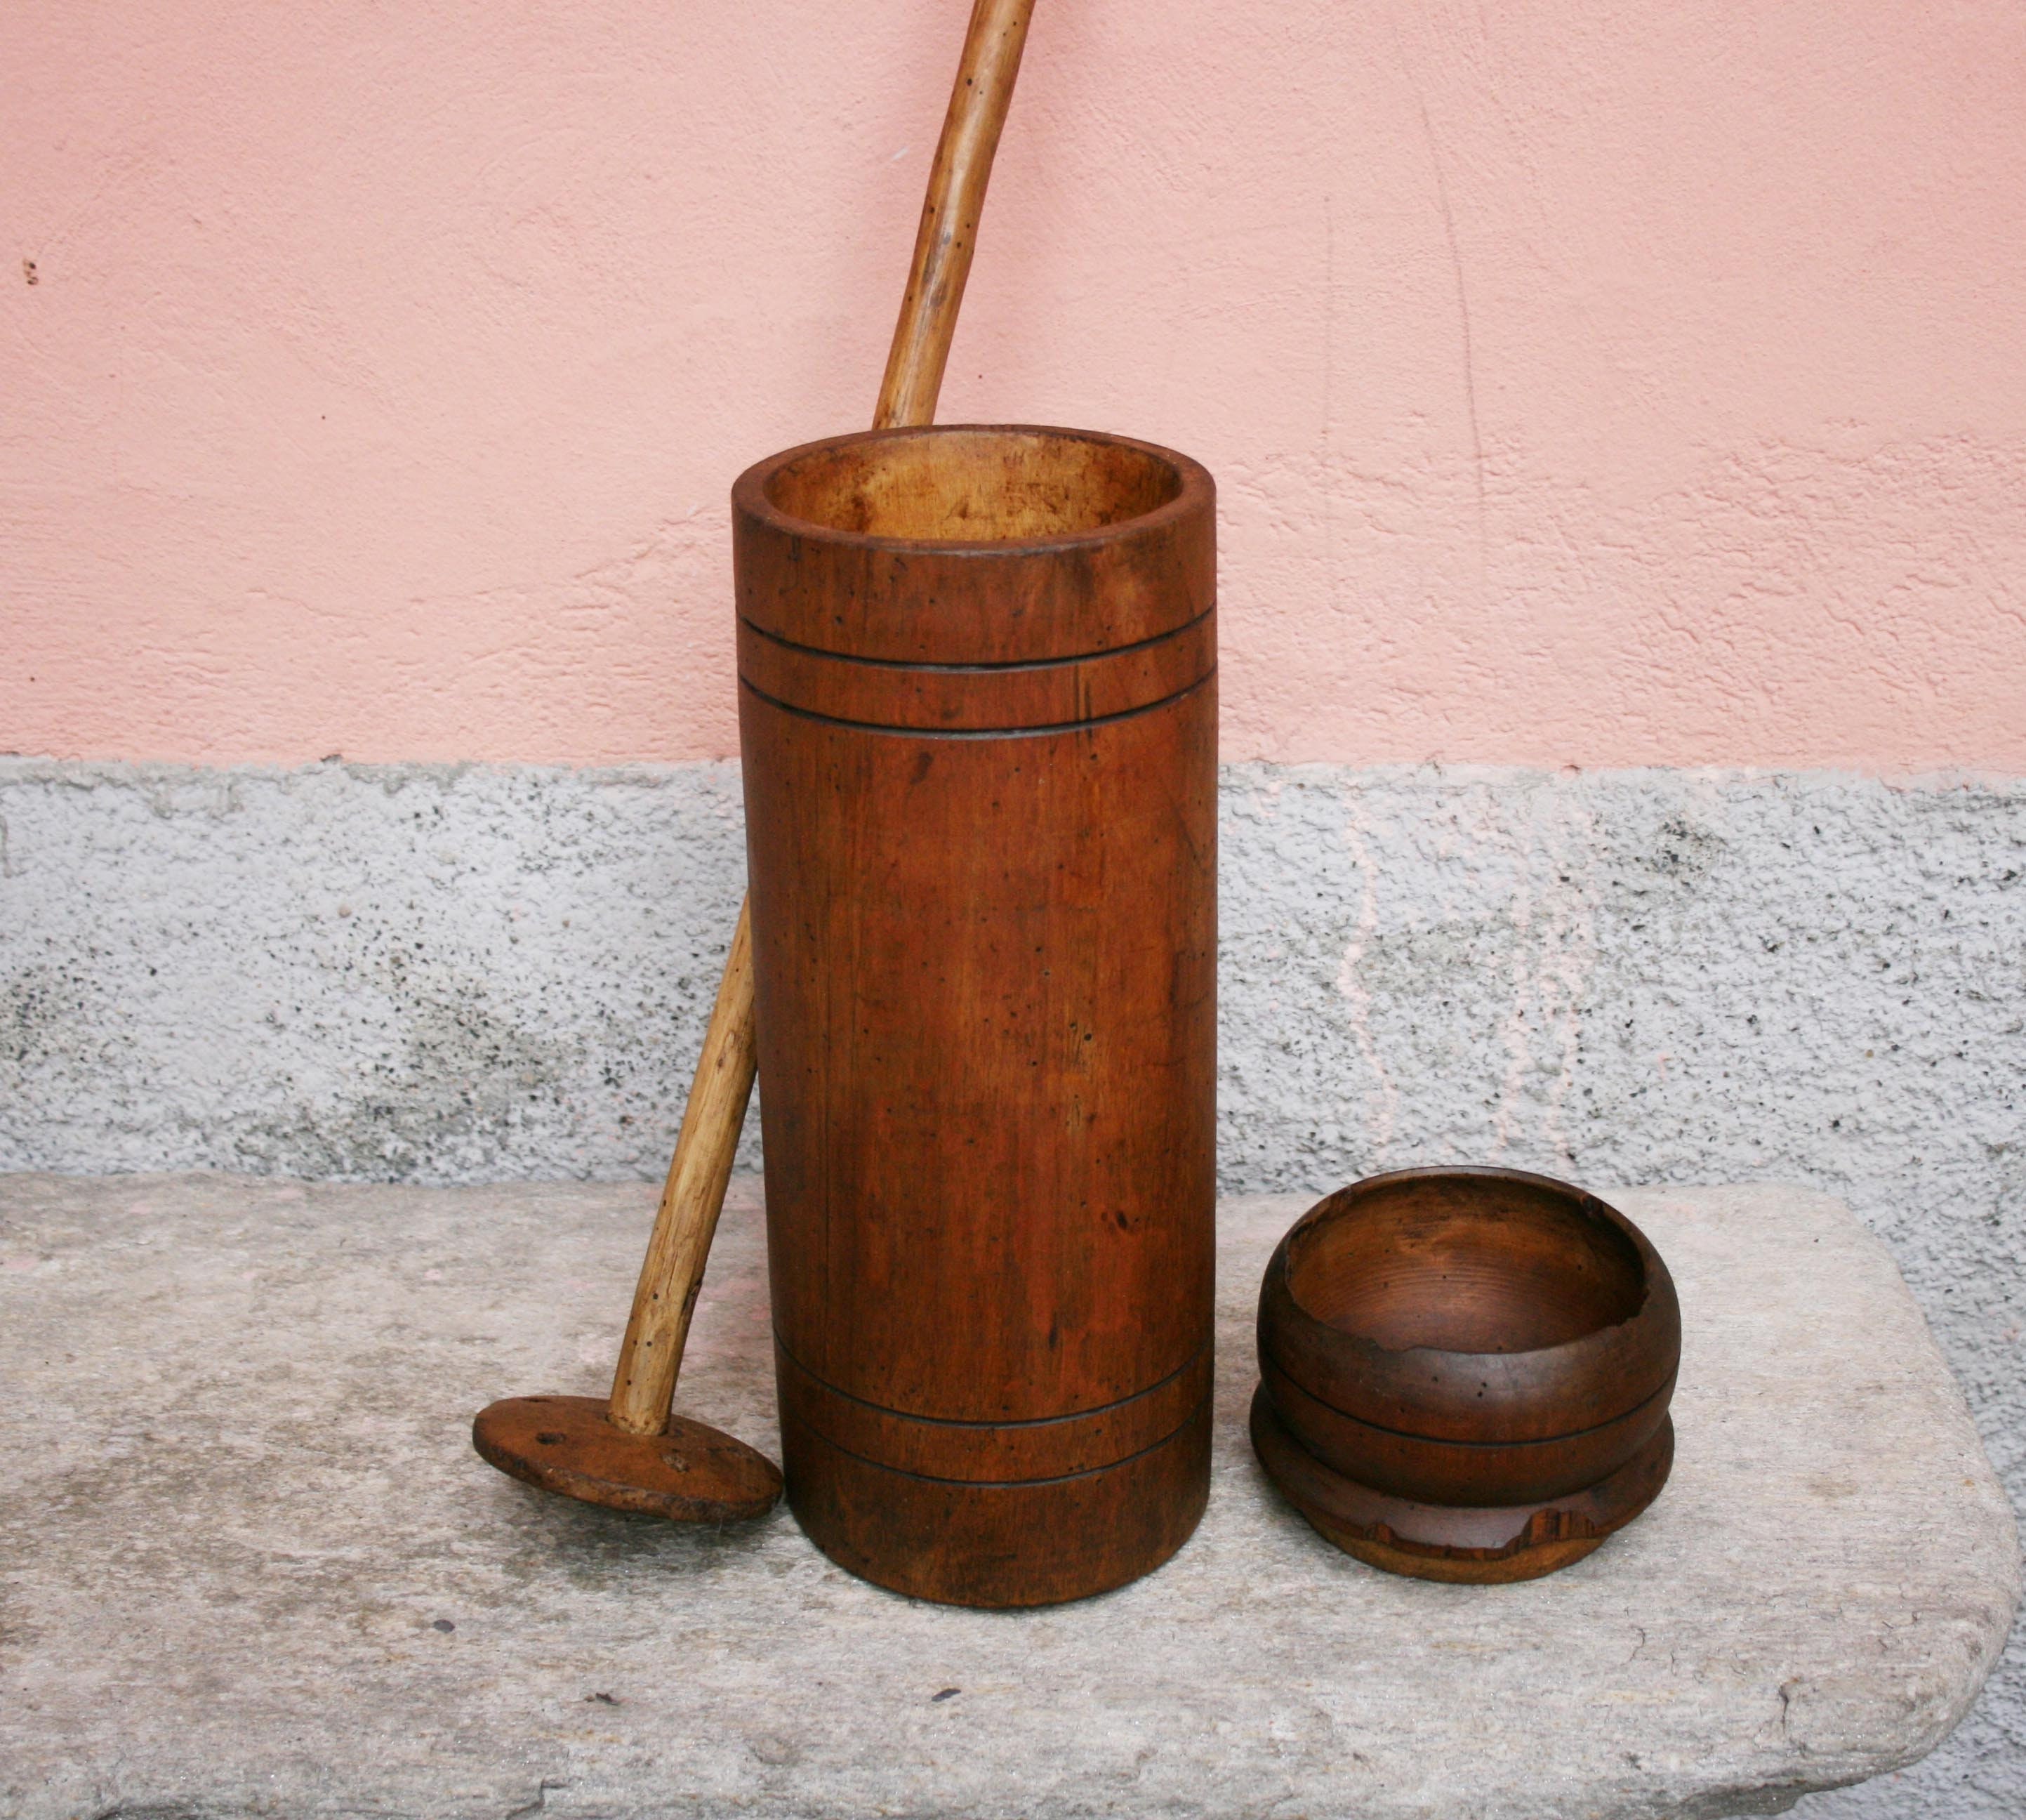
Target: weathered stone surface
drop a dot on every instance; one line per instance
(470, 972)
(253, 1568)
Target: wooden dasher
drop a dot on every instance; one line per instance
(979, 731)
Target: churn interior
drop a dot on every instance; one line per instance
(968, 485)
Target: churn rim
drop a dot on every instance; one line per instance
(749, 495)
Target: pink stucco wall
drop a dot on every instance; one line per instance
(1588, 381)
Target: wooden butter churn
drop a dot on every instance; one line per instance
(978, 718)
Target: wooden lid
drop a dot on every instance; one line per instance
(1470, 1304)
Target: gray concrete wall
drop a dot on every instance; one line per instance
(464, 974)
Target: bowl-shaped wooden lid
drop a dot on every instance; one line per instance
(1470, 1304)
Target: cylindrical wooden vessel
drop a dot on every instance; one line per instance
(977, 720)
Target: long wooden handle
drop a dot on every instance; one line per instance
(643, 1387)
(949, 234)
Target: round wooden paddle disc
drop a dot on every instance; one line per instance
(692, 1474)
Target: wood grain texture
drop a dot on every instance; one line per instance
(685, 1471)
(1001, 1546)
(1466, 1373)
(1106, 543)
(985, 964)
(672, 1272)
(938, 699)
(1461, 1472)
(1481, 1544)
(1428, 1300)
(947, 236)
(995, 1452)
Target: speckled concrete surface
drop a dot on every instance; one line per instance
(440, 973)
(469, 974)
(253, 1568)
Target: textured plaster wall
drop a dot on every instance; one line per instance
(1588, 382)
(464, 973)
